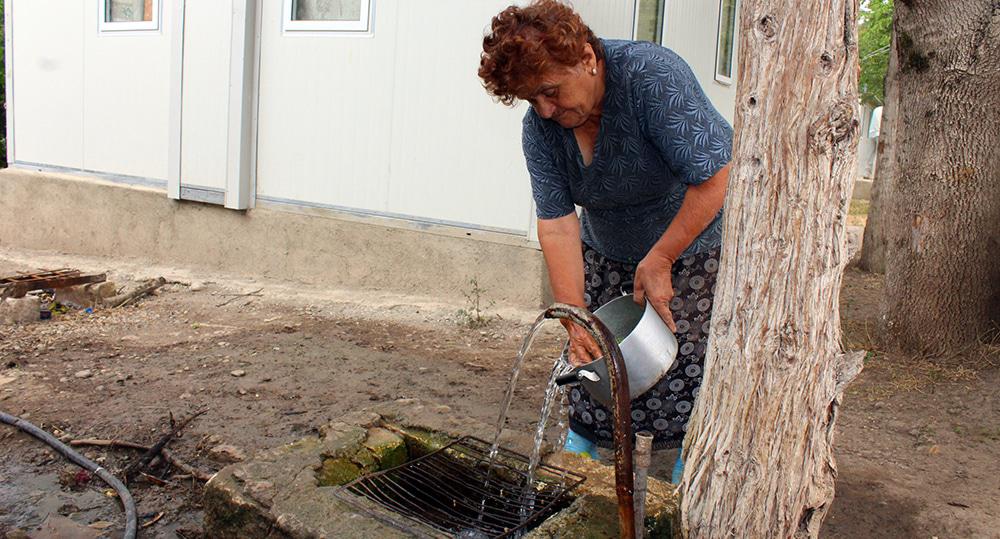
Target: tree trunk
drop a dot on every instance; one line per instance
(873, 246)
(759, 456)
(943, 226)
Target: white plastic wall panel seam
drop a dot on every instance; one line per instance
(125, 100)
(255, 104)
(175, 24)
(152, 183)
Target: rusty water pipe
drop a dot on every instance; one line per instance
(643, 456)
(621, 411)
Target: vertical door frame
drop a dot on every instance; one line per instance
(176, 99)
(8, 38)
(240, 161)
(241, 132)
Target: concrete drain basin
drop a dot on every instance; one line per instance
(455, 491)
(410, 469)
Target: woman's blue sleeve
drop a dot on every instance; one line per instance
(690, 134)
(549, 185)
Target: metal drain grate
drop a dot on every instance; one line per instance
(445, 493)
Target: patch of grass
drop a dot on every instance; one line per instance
(991, 434)
(988, 351)
(857, 214)
(977, 433)
(887, 375)
(860, 335)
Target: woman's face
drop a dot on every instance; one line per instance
(569, 95)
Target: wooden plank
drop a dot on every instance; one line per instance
(19, 285)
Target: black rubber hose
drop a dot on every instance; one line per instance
(131, 524)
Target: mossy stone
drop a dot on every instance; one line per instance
(387, 448)
(364, 458)
(336, 472)
(391, 456)
(420, 442)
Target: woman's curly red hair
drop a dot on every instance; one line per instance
(524, 42)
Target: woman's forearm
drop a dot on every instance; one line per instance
(560, 240)
(701, 204)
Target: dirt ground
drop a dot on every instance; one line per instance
(918, 440)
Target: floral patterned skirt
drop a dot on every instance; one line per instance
(665, 409)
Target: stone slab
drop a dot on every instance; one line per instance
(280, 493)
(85, 295)
(19, 310)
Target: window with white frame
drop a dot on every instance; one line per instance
(353, 16)
(129, 15)
(649, 20)
(727, 42)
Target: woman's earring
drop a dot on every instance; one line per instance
(593, 71)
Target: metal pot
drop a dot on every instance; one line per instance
(647, 344)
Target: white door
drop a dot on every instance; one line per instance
(213, 97)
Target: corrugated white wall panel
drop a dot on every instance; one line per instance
(325, 113)
(48, 56)
(126, 97)
(86, 100)
(692, 30)
(205, 94)
(396, 123)
(456, 154)
(610, 19)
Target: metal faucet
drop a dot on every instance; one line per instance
(624, 486)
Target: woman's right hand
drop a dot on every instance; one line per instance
(582, 347)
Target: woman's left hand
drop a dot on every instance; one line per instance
(653, 283)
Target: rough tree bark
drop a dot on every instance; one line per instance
(873, 247)
(759, 449)
(943, 222)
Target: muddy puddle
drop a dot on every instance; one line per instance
(28, 498)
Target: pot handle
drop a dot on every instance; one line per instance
(567, 379)
(576, 376)
(627, 287)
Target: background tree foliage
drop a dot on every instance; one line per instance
(874, 36)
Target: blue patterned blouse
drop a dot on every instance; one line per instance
(658, 135)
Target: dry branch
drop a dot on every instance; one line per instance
(122, 299)
(255, 293)
(154, 521)
(167, 455)
(155, 450)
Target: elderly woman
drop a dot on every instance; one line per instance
(623, 130)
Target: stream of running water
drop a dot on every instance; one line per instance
(559, 367)
(551, 389)
(505, 405)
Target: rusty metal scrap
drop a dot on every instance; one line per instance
(18, 285)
